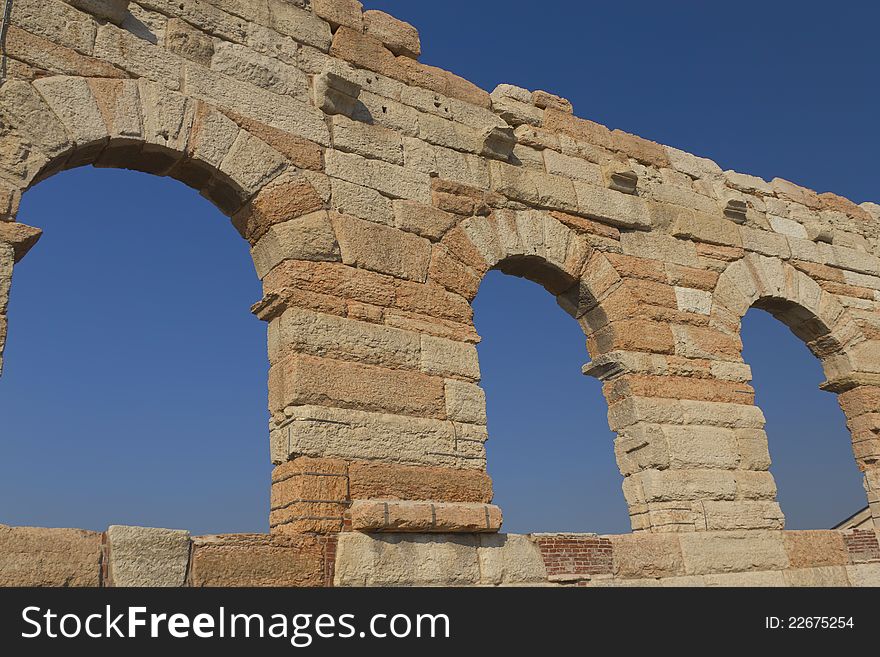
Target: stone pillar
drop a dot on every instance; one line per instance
(690, 441)
(861, 405)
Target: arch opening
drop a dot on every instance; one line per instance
(134, 381)
(551, 452)
(817, 480)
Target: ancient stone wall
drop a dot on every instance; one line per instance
(375, 192)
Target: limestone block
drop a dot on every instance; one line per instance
(119, 103)
(741, 514)
(421, 219)
(335, 337)
(823, 576)
(382, 249)
(340, 12)
(706, 228)
(281, 112)
(693, 301)
(252, 163)
(389, 179)
(572, 167)
(212, 135)
(406, 560)
(287, 197)
(447, 357)
(26, 109)
(257, 560)
(546, 100)
(363, 202)
(32, 556)
(168, 117)
(732, 551)
(323, 381)
(399, 37)
(814, 548)
(138, 57)
(54, 21)
(309, 237)
(747, 183)
(465, 402)
(865, 574)
(686, 484)
(415, 516)
(764, 242)
(691, 165)
(303, 26)
(365, 140)
(646, 555)
(658, 247)
(510, 559)
(375, 479)
(260, 70)
(513, 110)
(787, 227)
(345, 433)
(114, 11)
(183, 39)
(72, 101)
(141, 556)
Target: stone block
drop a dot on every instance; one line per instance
(33, 556)
(362, 202)
(257, 560)
(374, 479)
(510, 560)
(399, 37)
(416, 516)
(865, 574)
(821, 576)
(646, 555)
(301, 380)
(447, 357)
(382, 249)
(141, 556)
(346, 13)
(389, 179)
(73, 103)
(732, 551)
(814, 548)
(366, 140)
(183, 39)
(406, 560)
(465, 402)
(310, 237)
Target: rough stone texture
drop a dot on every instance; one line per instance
(147, 557)
(376, 192)
(257, 560)
(31, 556)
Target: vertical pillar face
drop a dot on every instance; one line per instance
(861, 406)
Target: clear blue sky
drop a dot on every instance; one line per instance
(135, 382)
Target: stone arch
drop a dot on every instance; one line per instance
(62, 122)
(849, 358)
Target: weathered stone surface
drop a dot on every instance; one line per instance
(722, 552)
(31, 556)
(309, 237)
(382, 249)
(140, 556)
(374, 479)
(183, 39)
(405, 560)
(396, 516)
(114, 11)
(642, 555)
(810, 549)
(399, 37)
(257, 560)
(510, 559)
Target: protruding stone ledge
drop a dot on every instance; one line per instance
(736, 210)
(114, 11)
(21, 236)
(449, 517)
(335, 94)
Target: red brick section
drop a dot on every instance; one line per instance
(330, 543)
(574, 555)
(862, 545)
